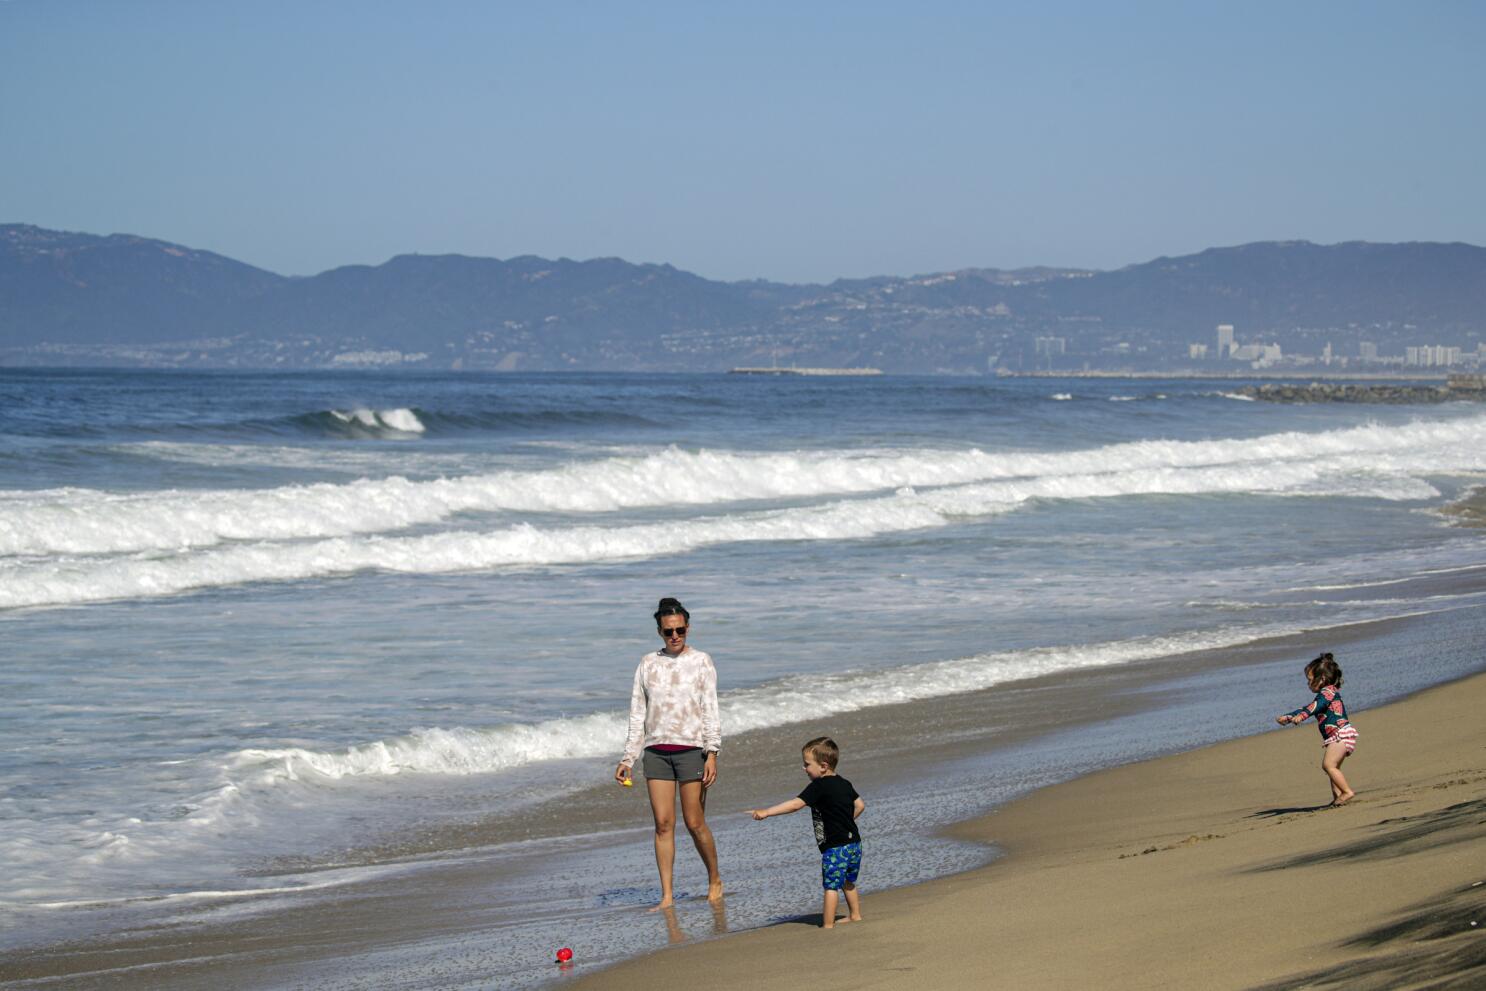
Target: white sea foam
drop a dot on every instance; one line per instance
(70, 581)
(461, 751)
(1345, 586)
(85, 521)
(341, 879)
(1416, 574)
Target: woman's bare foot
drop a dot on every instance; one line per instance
(665, 903)
(714, 891)
(1343, 798)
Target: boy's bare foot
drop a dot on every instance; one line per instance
(665, 903)
(1343, 798)
(714, 891)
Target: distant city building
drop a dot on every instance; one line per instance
(1197, 352)
(1431, 356)
(1262, 355)
(1326, 354)
(1050, 345)
(1368, 351)
(1225, 340)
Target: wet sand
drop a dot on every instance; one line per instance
(1218, 868)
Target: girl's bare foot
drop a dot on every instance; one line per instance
(714, 891)
(665, 903)
(1343, 798)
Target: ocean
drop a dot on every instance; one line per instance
(275, 641)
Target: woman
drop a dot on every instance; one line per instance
(673, 714)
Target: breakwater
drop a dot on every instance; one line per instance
(1459, 387)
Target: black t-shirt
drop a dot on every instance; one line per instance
(832, 801)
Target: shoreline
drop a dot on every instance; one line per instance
(346, 940)
(1383, 893)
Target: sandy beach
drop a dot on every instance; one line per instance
(1216, 868)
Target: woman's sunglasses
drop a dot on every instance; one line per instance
(675, 631)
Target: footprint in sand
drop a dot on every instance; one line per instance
(1189, 841)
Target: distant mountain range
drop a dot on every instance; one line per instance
(82, 299)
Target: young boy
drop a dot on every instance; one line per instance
(834, 805)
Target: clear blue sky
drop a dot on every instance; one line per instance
(790, 141)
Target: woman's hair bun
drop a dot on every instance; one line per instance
(671, 607)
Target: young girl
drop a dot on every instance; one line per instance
(1338, 735)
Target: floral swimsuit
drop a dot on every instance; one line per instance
(1331, 715)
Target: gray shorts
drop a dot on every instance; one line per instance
(683, 765)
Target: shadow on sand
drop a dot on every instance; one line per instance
(1274, 813)
(1459, 823)
(1439, 945)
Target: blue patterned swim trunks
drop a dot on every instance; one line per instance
(839, 866)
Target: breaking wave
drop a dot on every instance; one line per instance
(522, 544)
(1389, 462)
(405, 423)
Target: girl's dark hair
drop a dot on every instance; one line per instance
(671, 607)
(1325, 670)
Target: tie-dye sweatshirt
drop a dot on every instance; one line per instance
(674, 701)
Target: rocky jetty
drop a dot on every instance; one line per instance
(1326, 392)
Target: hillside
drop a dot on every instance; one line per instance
(70, 298)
